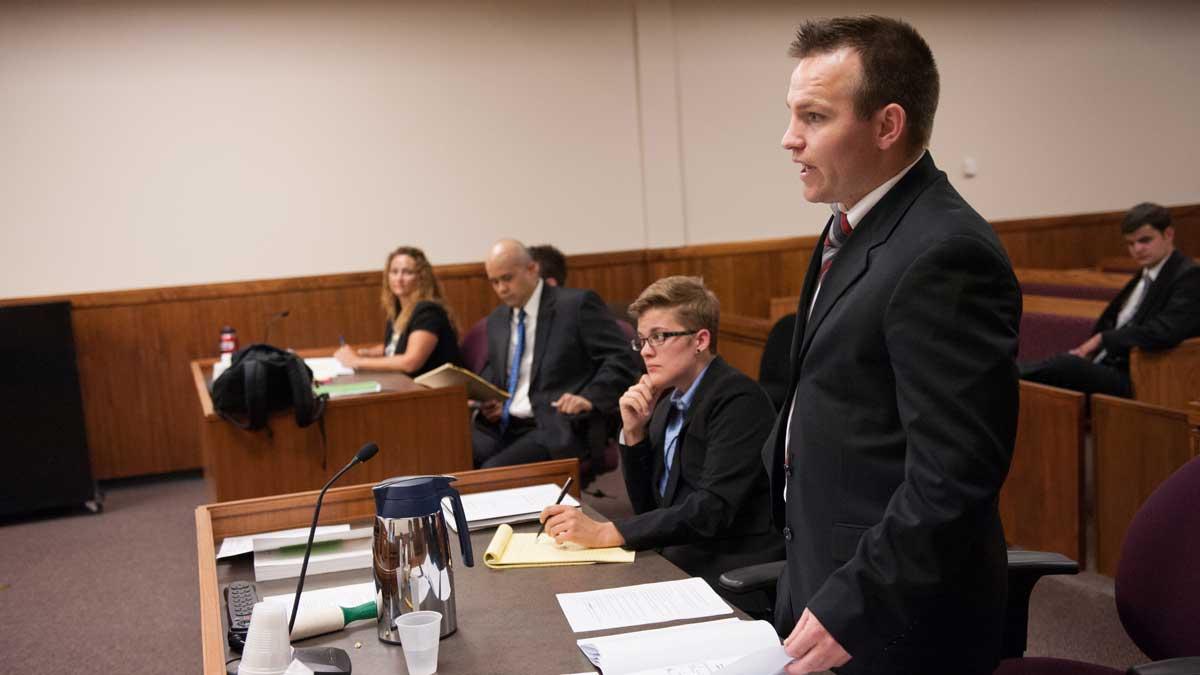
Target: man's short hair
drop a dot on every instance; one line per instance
(695, 305)
(1146, 213)
(897, 64)
(551, 261)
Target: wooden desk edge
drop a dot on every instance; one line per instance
(295, 510)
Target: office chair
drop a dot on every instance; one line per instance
(1157, 586)
(775, 366)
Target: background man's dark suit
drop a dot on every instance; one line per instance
(578, 350)
(715, 513)
(903, 431)
(1167, 315)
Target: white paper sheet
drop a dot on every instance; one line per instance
(487, 509)
(642, 604)
(232, 546)
(691, 649)
(327, 368)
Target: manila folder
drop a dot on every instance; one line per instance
(509, 550)
(450, 375)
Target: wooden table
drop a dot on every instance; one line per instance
(508, 620)
(418, 431)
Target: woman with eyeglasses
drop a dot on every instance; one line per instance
(693, 430)
(419, 334)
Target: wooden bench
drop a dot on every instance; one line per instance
(1073, 283)
(1041, 504)
(741, 341)
(1137, 446)
(1168, 377)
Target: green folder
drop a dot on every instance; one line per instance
(348, 389)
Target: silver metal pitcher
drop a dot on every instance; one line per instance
(412, 550)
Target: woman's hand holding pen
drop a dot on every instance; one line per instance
(346, 356)
(637, 404)
(567, 523)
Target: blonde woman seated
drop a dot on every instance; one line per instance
(419, 335)
(692, 435)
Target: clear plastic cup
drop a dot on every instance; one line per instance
(268, 650)
(420, 633)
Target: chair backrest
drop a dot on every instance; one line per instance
(774, 368)
(1157, 586)
(474, 346)
(1069, 291)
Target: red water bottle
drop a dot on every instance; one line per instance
(229, 342)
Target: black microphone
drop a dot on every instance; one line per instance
(271, 321)
(365, 453)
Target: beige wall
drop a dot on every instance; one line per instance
(148, 144)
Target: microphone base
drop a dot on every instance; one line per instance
(327, 660)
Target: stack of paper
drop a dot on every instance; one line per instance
(522, 550)
(348, 388)
(281, 557)
(641, 604)
(326, 368)
(728, 646)
(516, 505)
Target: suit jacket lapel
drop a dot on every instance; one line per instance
(1154, 293)
(545, 319)
(499, 339)
(713, 374)
(875, 229)
(657, 429)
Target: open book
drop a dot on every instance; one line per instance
(513, 505)
(510, 550)
(727, 646)
(450, 375)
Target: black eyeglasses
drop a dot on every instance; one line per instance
(656, 339)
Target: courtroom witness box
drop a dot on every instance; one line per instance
(418, 430)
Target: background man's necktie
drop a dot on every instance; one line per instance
(514, 370)
(838, 234)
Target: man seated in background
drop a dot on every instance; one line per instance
(692, 431)
(552, 264)
(1157, 309)
(558, 354)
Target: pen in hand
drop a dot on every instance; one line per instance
(566, 486)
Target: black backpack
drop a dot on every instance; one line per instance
(261, 380)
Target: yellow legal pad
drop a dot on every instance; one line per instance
(510, 550)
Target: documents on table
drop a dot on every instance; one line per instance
(511, 550)
(232, 546)
(515, 505)
(691, 649)
(281, 557)
(642, 604)
(326, 368)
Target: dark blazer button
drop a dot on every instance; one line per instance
(787, 534)
(788, 470)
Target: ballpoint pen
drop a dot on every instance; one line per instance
(561, 495)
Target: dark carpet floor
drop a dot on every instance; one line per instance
(117, 592)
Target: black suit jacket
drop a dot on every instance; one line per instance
(1167, 315)
(578, 349)
(715, 513)
(905, 391)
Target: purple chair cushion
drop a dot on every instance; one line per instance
(1158, 578)
(474, 346)
(1065, 291)
(1044, 335)
(1044, 666)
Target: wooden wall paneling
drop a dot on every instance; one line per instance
(1137, 447)
(741, 342)
(1170, 377)
(1041, 503)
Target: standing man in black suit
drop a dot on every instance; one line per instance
(691, 431)
(888, 456)
(558, 354)
(1157, 309)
